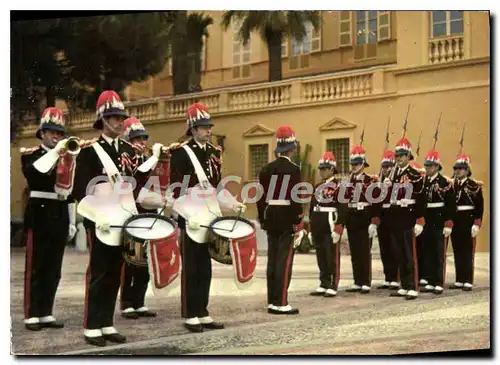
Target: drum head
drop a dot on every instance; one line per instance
(141, 226)
(223, 227)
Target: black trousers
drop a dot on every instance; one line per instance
(328, 257)
(196, 277)
(45, 243)
(387, 254)
(280, 254)
(102, 282)
(464, 247)
(404, 245)
(360, 246)
(134, 284)
(422, 258)
(434, 253)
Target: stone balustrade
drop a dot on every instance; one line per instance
(443, 50)
(306, 90)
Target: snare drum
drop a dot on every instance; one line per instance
(139, 230)
(222, 231)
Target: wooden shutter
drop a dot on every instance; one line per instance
(236, 72)
(315, 39)
(294, 62)
(345, 28)
(384, 25)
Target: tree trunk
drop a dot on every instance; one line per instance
(273, 40)
(50, 96)
(180, 73)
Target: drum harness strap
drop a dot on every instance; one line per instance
(202, 177)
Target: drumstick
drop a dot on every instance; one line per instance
(161, 212)
(129, 227)
(221, 229)
(238, 217)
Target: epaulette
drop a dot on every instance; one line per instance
(374, 178)
(448, 179)
(126, 142)
(84, 143)
(28, 151)
(473, 184)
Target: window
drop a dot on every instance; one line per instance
(301, 50)
(366, 27)
(241, 55)
(340, 148)
(259, 157)
(446, 23)
(284, 47)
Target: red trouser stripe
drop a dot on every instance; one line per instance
(415, 260)
(183, 276)
(27, 275)
(473, 257)
(87, 280)
(285, 279)
(122, 281)
(337, 265)
(446, 239)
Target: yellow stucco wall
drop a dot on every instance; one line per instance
(460, 90)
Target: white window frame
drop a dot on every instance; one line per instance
(242, 51)
(309, 38)
(366, 28)
(447, 21)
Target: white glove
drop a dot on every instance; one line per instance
(194, 223)
(81, 238)
(447, 231)
(387, 181)
(335, 237)
(372, 230)
(102, 223)
(474, 230)
(60, 145)
(71, 231)
(418, 229)
(157, 148)
(310, 237)
(237, 207)
(297, 238)
(169, 201)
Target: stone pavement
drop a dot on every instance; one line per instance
(347, 324)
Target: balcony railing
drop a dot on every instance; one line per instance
(281, 94)
(444, 50)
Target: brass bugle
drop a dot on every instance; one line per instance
(73, 145)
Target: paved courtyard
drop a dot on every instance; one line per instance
(348, 324)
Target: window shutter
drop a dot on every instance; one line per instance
(294, 62)
(304, 60)
(345, 28)
(384, 25)
(315, 39)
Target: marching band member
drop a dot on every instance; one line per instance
(467, 220)
(280, 218)
(387, 254)
(407, 219)
(440, 207)
(135, 279)
(49, 219)
(103, 273)
(201, 162)
(327, 225)
(362, 222)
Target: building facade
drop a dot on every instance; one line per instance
(359, 69)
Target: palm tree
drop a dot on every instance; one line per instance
(197, 24)
(272, 27)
